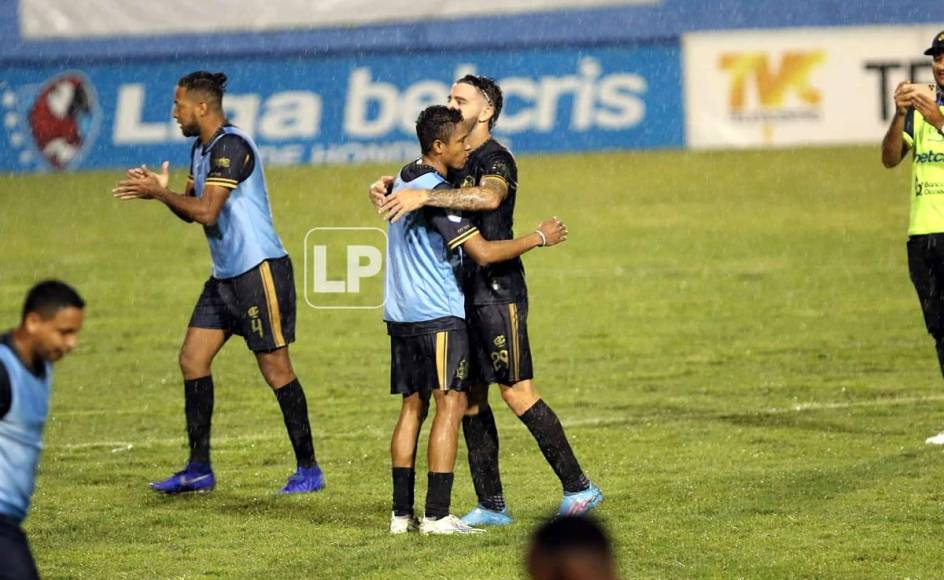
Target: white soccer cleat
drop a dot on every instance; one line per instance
(403, 524)
(936, 440)
(446, 526)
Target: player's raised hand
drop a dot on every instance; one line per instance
(141, 172)
(397, 205)
(142, 183)
(378, 191)
(553, 231)
(136, 172)
(163, 178)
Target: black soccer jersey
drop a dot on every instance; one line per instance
(231, 160)
(501, 283)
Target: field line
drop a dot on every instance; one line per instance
(117, 446)
(798, 408)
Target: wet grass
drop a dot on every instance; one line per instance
(730, 339)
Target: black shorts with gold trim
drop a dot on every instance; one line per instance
(258, 305)
(428, 355)
(498, 337)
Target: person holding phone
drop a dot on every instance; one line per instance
(918, 125)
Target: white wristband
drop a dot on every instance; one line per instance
(543, 239)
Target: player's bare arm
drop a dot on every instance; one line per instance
(484, 197)
(149, 185)
(893, 144)
(483, 252)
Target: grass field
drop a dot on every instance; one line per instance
(730, 339)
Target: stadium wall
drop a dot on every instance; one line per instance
(586, 76)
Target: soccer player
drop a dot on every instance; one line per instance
(918, 125)
(48, 330)
(424, 312)
(251, 291)
(496, 312)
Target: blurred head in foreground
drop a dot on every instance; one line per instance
(571, 548)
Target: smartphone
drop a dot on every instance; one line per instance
(927, 89)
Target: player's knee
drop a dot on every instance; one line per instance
(278, 379)
(451, 404)
(457, 402)
(520, 396)
(276, 368)
(414, 405)
(192, 365)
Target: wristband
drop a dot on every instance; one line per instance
(543, 239)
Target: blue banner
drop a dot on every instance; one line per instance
(342, 109)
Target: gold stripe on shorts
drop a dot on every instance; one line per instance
(516, 359)
(442, 344)
(272, 301)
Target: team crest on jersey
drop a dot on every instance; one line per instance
(51, 124)
(462, 369)
(222, 162)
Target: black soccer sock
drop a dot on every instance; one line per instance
(294, 406)
(198, 406)
(549, 433)
(481, 439)
(438, 494)
(404, 480)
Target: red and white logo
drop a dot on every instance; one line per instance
(60, 118)
(52, 124)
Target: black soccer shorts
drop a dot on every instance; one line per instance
(16, 560)
(258, 305)
(926, 266)
(425, 356)
(498, 337)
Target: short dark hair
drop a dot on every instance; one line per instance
(436, 123)
(565, 533)
(213, 85)
(492, 92)
(49, 296)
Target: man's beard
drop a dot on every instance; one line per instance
(190, 130)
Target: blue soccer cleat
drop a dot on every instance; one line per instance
(305, 480)
(482, 516)
(581, 502)
(194, 477)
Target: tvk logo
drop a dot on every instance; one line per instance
(765, 86)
